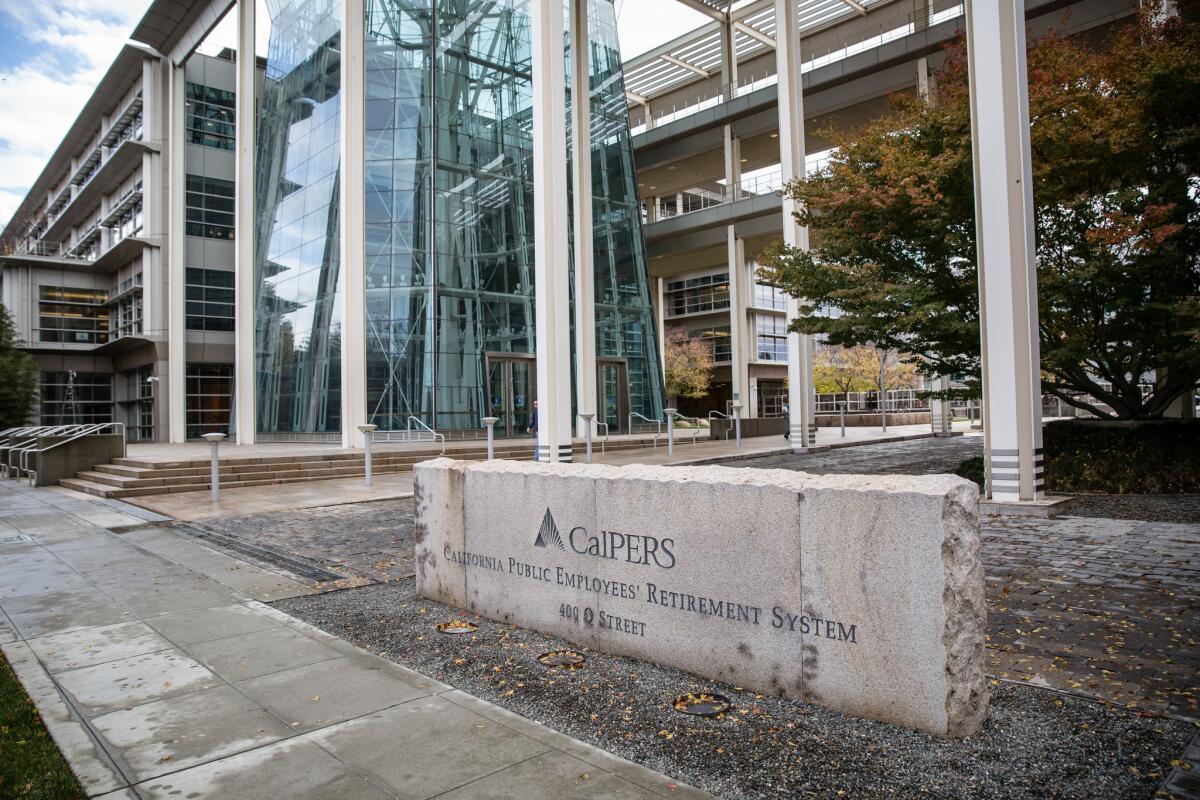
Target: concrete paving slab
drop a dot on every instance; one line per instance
(95, 771)
(206, 624)
(132, 681)
(90, 646)
(62, 611)
(601, 759)
(250, 655)
(444, 747)
(146, 604)
(8, 631)
(551, 775)
(329, 692)
(178, 732)
(292, 769)
(41, 581)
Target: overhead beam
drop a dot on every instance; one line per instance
(679, 62)
(704, 9)
(858, 7)
(637, 98)
(754, 33)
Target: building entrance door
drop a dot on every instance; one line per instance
(612, 394)
(511, 388)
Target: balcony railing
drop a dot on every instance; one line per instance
(896, 27)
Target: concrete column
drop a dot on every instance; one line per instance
(244, 371)
(737, 317)
(728, 58)
(1012, 423)
(352, 211)
(581, 159)
(551, 301)
(940, 412)
(176, 258)
(801, 401)
(660, 317)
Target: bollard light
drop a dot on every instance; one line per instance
(491, 434)
(842, 417)
(670, 412)
(214, 440)
(587, 421)
(367, 430)
(737, 422)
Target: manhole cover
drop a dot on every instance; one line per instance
(702, 704)
(562, 658)
(456, 626)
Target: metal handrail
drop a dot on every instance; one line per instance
(695, 430)
(714, 414)
(603, 441)
(28, 438)
(657, 423)
(433, 434)
(87, 430)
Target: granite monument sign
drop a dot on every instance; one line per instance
(861, 593)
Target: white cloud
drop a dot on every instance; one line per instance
(70, 44)
(645, 24)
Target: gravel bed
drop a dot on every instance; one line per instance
(1036, 743)
(1150, 507)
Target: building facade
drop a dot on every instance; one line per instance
(125, 288)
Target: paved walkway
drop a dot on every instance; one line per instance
(161, 674)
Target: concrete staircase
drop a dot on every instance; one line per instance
(131, 477)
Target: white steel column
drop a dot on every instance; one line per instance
(801, 401)
(551, 296)
(1012, 425)
(176, 257)
(352, 219)
(581, 159)
(660, 299)
(245, 375)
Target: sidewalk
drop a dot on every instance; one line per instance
(160, 673)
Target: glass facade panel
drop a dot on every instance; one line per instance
(209, 207)
(76, 398)
(449, 201)
(71, 315)
(448, 225)
(772, 337)
(697, 295)
(209, 299)
(209, 398)
(297, 323)
(210, 116)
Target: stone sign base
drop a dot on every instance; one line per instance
(861, 593)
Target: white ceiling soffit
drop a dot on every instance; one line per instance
(698, 53)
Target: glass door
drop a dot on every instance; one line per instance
(612, 387)
(512, 386)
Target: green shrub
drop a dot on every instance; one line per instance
(1098, 456)
(1151, 457)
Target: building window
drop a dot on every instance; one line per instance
(697, 295)
(768, 296)
(210, 117)
(126, 316)
(139, 391)
(209, 299)
(72, 316)
(76, 398)
(209, 207)
(718, 338)
(209, 398)
(772, 338)
(128, 224)
(772, 397)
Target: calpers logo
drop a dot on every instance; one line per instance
(548, 534)
(634, 549)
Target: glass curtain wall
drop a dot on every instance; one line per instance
(449, 200)
(298, 324)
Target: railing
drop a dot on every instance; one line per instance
(22, 439)
(718, 415)
(694, 422)
(897, 400)
(603, 441)
(417, 431)
(87, 430)
(646, 421)
(753, 186)
(896, 27)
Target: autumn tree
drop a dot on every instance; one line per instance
(18, 376)
(689, 366)
(842, 370)
(1115, 133)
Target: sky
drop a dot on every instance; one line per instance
(54, 52)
